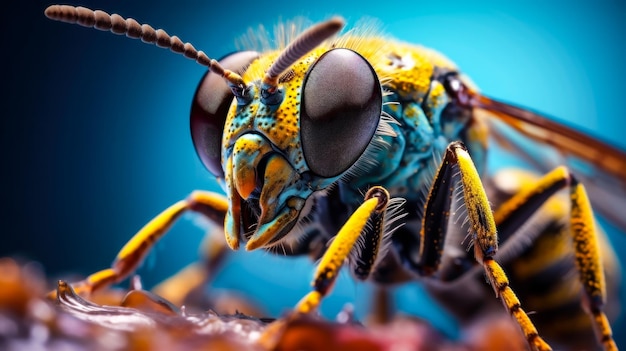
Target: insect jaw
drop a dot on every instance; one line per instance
(270, 232)
(258, 181)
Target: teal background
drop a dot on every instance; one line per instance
(95, 133)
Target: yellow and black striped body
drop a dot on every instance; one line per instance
(540, 266)
(541, 270)
(297, 134)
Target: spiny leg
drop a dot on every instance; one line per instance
(515, 211)
(588, 263)
(212, 205)
(371, 210)
(483, 230)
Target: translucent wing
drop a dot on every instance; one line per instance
(599, 165)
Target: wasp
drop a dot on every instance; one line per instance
(361, 149)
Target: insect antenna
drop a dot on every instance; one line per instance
(132, 29)
(303, 44)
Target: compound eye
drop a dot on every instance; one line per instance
(209, 110)
(341, 107)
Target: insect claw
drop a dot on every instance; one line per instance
(275, 228)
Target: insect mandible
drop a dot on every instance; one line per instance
(371, 142)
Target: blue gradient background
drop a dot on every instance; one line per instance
(95, 136)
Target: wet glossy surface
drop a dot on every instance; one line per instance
(140, 320)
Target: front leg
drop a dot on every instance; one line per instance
(372, 211)
(211, 205)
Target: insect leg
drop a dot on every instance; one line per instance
(211, 205)
(515, 211)
(483, 232)
(372, 210)
(588, 263)
(193, 278)
(383, 306)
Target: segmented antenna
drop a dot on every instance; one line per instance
(303, 44)
(132, 29)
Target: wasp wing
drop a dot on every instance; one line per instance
(599, 165)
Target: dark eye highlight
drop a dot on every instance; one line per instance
(341, 107)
